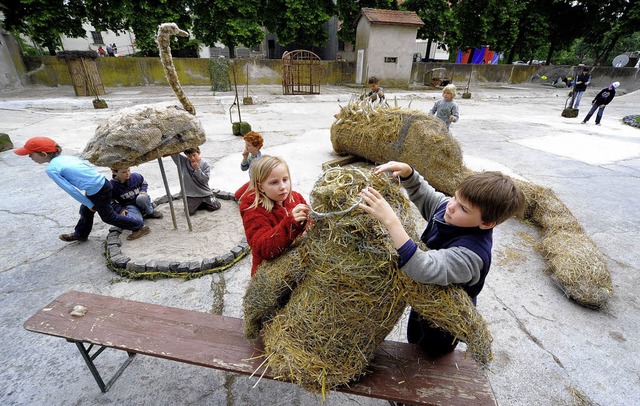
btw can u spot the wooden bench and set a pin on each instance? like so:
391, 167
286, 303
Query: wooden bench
399, 372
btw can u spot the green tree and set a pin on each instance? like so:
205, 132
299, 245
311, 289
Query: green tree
143, 18
438, 19
348, 11
232, 22
298, 21
44, 21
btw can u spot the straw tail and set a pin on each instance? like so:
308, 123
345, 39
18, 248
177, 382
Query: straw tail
163, 39
451, 309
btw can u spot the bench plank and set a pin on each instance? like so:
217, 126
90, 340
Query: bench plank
399, 371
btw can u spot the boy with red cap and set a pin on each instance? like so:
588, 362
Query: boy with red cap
74, 175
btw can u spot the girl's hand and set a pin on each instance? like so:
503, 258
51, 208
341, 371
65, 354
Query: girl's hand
300, 213
398, 169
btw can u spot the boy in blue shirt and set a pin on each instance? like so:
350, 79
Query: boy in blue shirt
459, 236
74, 175
130, 196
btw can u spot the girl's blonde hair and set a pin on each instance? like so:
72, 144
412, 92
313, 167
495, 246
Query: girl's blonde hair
451, 89
260, 171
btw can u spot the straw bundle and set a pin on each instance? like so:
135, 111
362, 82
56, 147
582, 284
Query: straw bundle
326, 305
386, 134
382, 134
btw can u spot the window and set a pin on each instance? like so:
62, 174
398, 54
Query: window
97, 37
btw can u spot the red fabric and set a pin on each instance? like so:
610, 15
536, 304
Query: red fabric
270, 233
241, 191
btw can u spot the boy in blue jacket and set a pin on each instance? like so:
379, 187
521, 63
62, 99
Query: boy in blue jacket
130, 196
74, 176
459, 237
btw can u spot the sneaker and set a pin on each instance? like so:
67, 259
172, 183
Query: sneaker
584, 122
597, 123
71, 237
139, 233
155, 215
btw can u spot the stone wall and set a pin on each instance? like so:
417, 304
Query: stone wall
50, 71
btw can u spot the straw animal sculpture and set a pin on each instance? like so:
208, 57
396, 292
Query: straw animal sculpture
138, 134
324, 307
385, 134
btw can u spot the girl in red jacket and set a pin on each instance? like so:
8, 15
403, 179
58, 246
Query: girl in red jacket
273, 215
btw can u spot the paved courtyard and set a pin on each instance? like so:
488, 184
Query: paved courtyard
548, 350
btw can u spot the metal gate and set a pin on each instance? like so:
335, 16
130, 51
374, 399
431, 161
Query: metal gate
301, 72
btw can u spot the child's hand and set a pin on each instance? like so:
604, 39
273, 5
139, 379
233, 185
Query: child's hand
300, 213
397, 169
245, 153
124, 212
194, 164
452, 118
376, 205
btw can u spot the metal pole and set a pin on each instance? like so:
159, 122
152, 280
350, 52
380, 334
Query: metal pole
184, 196
166, 188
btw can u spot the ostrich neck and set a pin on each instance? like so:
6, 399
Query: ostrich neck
170, 71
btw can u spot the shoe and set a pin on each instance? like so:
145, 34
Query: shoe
71, 237
139, 233
584, 122
597, 123
155, 215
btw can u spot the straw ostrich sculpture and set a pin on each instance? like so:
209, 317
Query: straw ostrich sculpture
324, 307
139, 134
395, 134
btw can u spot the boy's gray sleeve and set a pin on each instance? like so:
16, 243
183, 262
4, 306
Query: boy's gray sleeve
444, 267
203, 172
423, 195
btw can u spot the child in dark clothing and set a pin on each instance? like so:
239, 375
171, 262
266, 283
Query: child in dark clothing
600, 102
458, 235
130, 196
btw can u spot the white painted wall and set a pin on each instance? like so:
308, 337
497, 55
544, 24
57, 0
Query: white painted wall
388, 41
124, 42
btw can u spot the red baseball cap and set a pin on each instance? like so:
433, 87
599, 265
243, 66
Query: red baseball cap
37, 144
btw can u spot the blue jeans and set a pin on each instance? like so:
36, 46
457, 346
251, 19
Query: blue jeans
593, 110
143, 201
577, 96
102, 205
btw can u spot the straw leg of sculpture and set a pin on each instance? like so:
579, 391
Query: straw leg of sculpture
184, 198
166, 188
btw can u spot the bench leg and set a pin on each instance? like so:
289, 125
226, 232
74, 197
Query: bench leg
88, 358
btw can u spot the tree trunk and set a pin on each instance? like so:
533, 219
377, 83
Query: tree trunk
552, 50
607, 49
428, 51
232, 51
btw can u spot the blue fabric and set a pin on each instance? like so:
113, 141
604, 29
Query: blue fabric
101, 202
406, 252
593, 110
126, 193
440, 235
74, 175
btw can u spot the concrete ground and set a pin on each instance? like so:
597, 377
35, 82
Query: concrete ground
548, 350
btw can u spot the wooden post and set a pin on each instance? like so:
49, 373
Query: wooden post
184, 195
166, 188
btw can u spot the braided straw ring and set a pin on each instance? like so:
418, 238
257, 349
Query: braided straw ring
344, 181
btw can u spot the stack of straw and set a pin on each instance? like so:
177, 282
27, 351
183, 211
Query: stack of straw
326, 305
421, 140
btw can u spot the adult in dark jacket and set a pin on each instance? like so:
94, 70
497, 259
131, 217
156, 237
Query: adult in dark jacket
582, 81
600, 102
